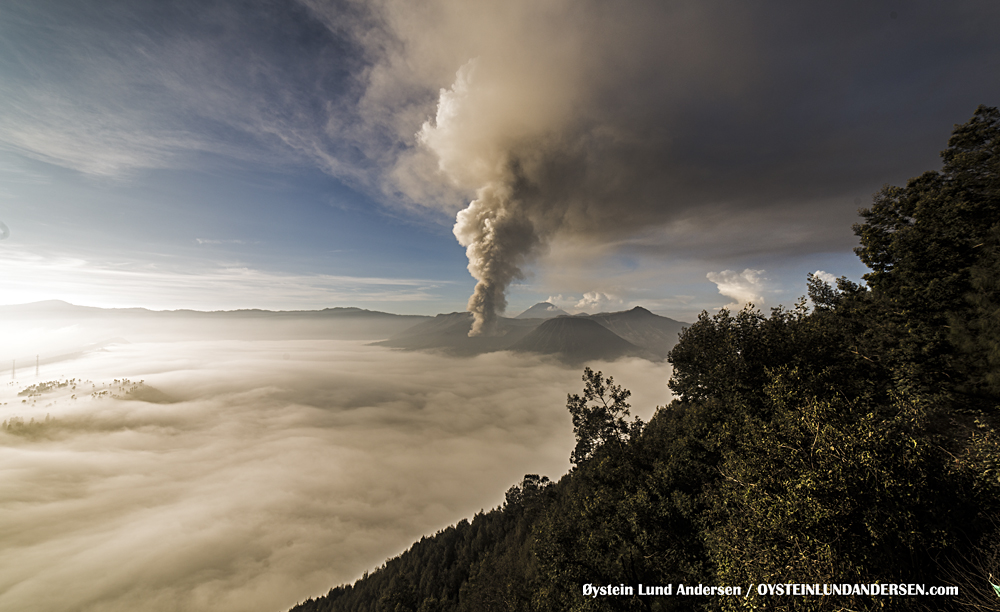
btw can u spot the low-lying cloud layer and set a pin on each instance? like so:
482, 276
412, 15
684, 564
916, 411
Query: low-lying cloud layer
284, 468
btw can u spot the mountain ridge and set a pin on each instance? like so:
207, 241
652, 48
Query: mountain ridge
636, 332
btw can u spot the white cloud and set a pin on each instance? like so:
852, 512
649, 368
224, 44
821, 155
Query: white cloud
826, 277
746, 287
595, 301
591, 302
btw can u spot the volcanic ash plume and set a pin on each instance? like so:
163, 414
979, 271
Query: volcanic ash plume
498, 237
475, 138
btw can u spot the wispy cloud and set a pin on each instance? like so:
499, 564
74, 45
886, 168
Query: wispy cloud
107, 283
118, 94
214, 241
671, 131
347, 88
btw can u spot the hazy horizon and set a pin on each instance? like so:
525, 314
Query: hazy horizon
54, 302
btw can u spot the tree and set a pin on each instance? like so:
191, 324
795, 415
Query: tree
599, 416
922, 243
829, 488
822, 295
977, 334
719, 356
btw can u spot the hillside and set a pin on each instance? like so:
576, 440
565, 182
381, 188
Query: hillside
853, 442
450, 333
642, 328
576, 340
333, 323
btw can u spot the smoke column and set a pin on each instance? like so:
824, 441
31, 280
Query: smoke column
495, 134
498, 238
476, 145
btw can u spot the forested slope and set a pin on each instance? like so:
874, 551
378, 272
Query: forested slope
851, 441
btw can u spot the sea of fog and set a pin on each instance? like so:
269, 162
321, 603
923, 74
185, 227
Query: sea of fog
265, 471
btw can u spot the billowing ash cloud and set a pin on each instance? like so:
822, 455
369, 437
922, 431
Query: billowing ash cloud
479, 138
643, 125
498, 239
507, 130
497, 228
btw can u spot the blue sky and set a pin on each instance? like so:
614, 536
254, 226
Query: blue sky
300, 155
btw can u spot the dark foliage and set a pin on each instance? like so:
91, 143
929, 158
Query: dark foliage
482, 565
599, 417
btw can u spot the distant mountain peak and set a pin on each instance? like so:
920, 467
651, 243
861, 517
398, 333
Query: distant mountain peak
542, 310
576, 340
638, 311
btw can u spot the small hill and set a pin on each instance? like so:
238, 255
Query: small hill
146, 393
576, 340
59, 308
542, 310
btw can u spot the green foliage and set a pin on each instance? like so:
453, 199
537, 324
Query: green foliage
632, 518
831, 489
720, 357
977, 334
485, 564
821, 294
923, 243
599, 416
